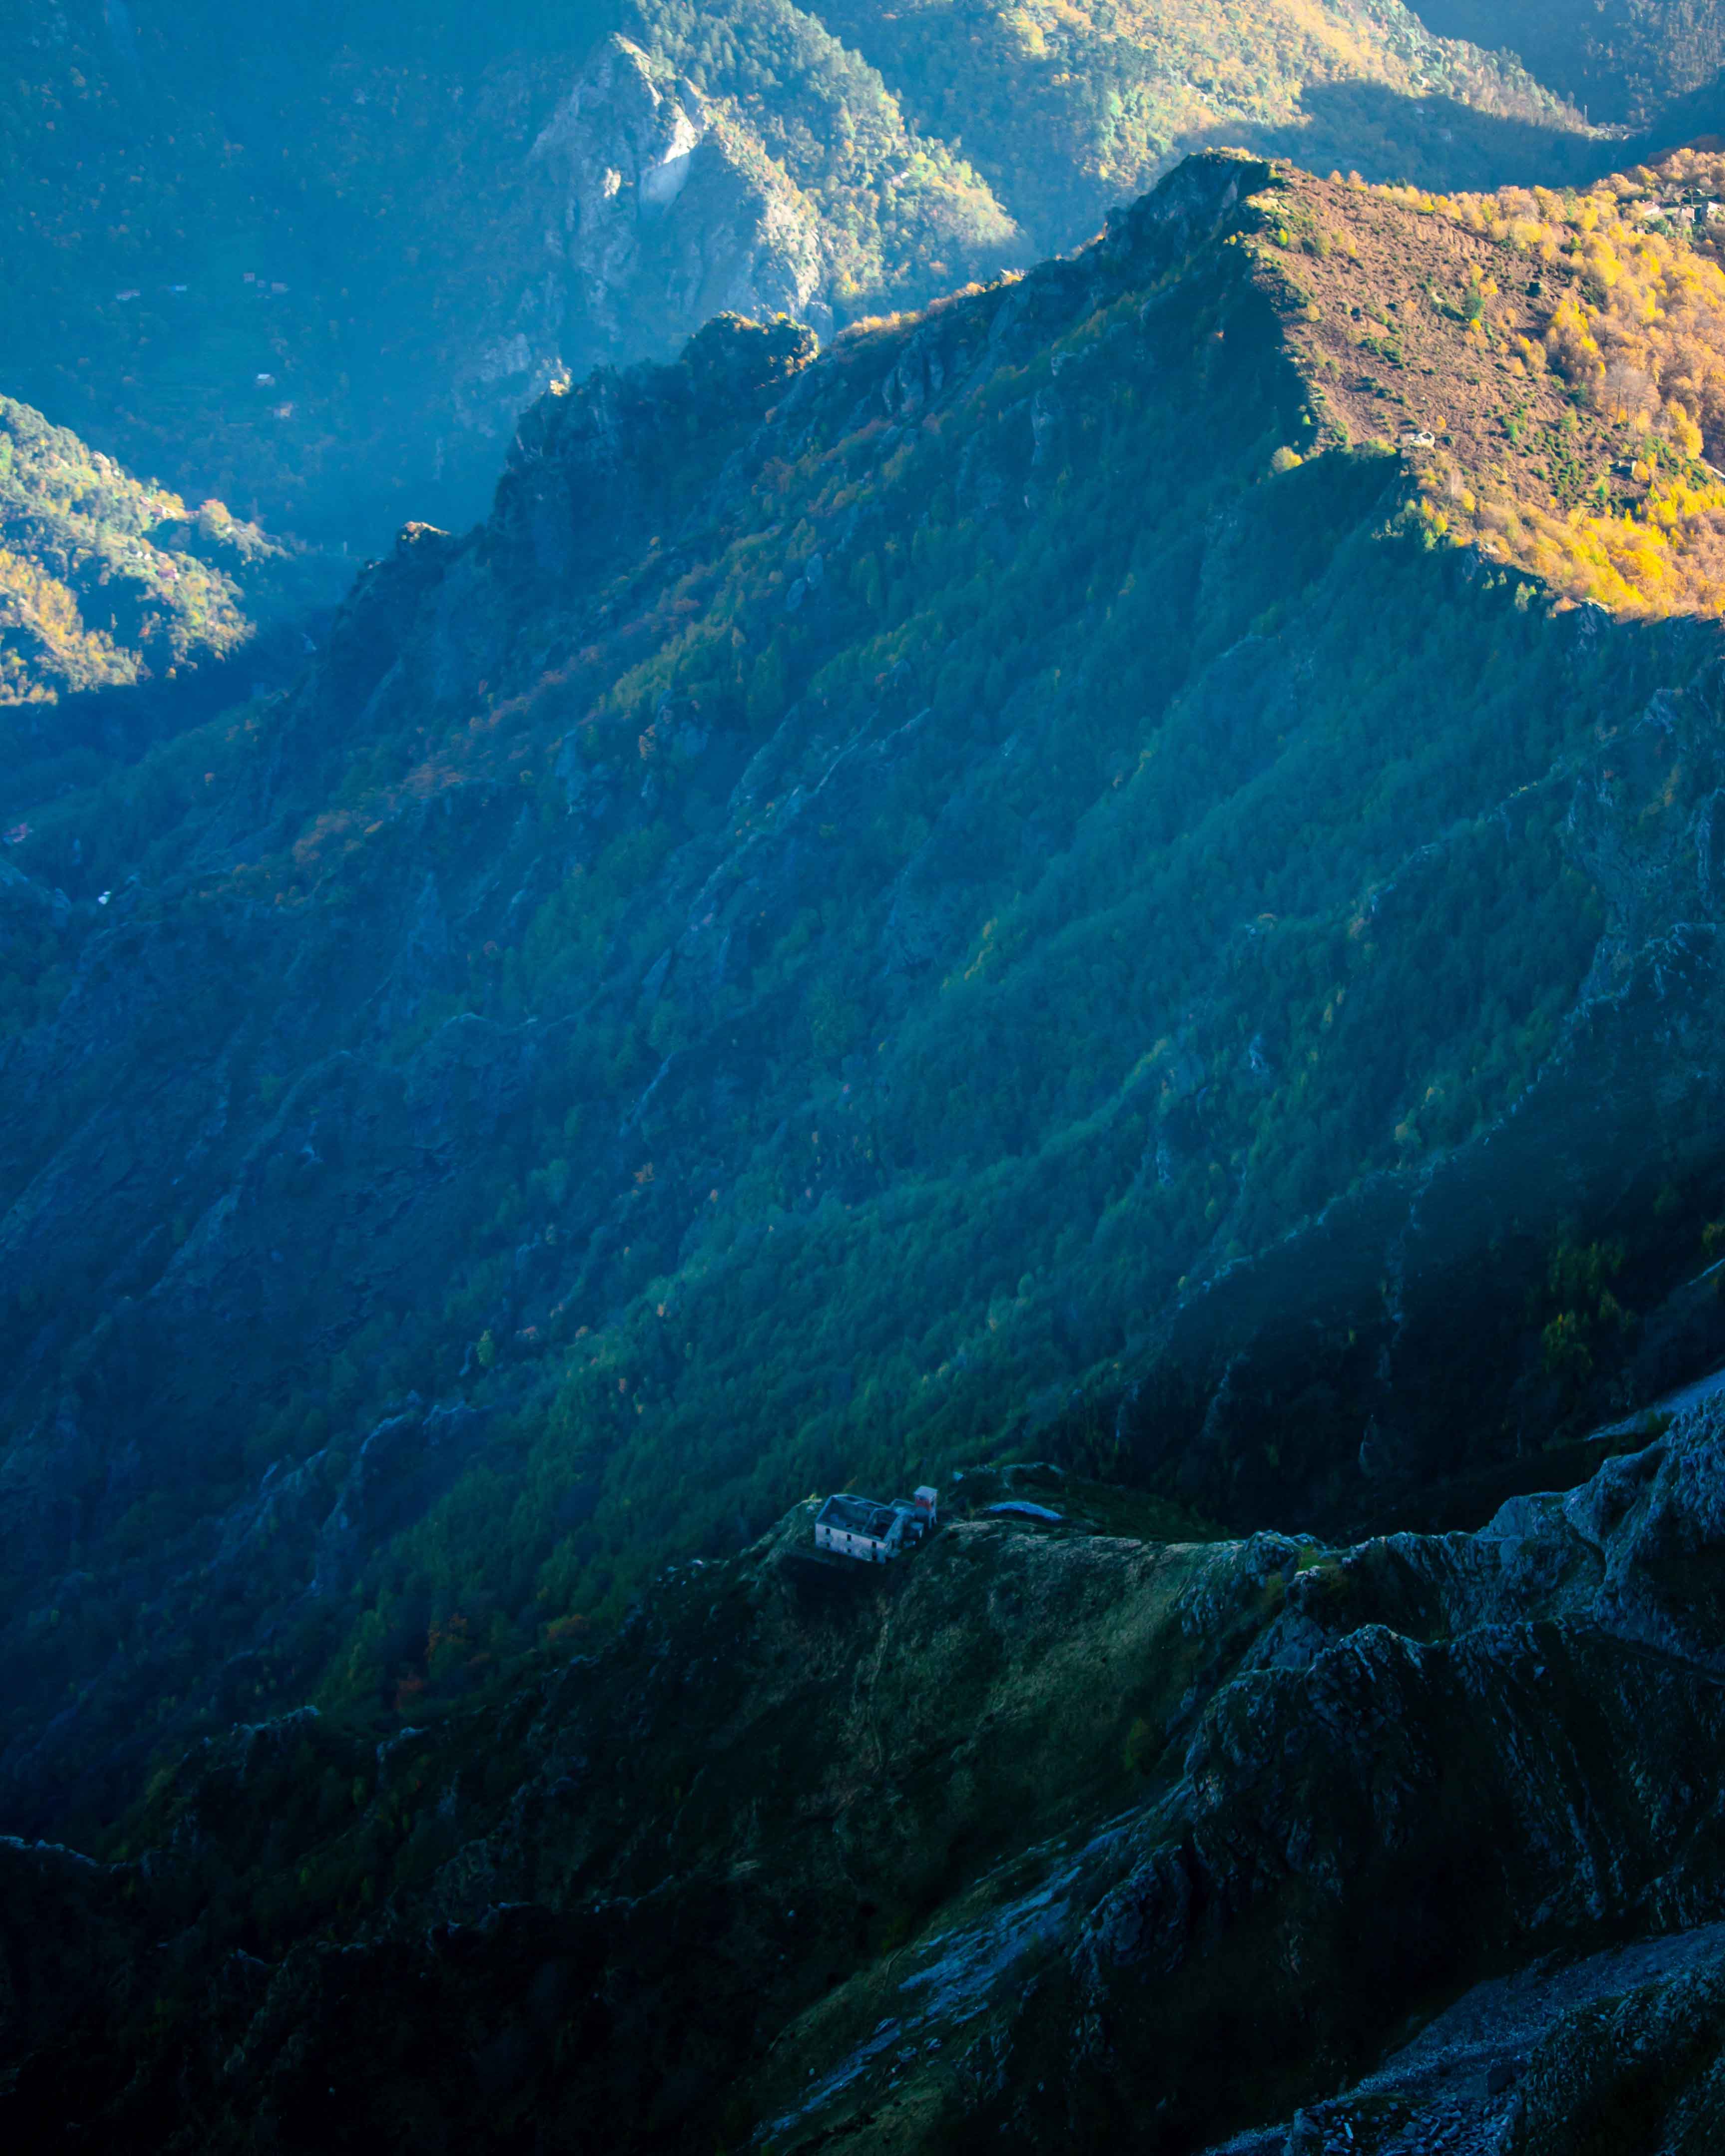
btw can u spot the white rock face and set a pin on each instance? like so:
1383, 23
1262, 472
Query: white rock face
647, 210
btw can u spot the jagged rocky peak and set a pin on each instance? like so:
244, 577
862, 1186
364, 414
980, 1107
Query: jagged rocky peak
1187, 206
594, 470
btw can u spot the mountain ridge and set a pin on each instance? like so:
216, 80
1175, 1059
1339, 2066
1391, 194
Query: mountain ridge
378, 216
1115, 878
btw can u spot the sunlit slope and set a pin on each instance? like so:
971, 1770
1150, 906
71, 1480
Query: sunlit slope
1067, 108
1553, 366
105, 579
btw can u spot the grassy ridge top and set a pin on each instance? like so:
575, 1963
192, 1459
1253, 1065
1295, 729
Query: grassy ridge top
1552, 364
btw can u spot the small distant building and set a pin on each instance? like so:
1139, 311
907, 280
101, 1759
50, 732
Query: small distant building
1417, 438
871, 1532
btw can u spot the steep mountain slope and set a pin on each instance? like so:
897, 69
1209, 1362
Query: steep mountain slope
1062, 1833
1010, 884
318, 273
1564, 430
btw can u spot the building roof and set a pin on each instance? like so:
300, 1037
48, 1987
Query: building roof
857, 1516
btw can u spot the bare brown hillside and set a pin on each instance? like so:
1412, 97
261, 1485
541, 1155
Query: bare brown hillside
1552, 364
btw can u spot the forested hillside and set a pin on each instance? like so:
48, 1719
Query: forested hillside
1624, 60
317, 274
105, 580
1018, 883
98, 576
1068, 108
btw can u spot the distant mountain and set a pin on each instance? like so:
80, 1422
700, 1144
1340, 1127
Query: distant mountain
1624, 60
1075, 871
322, 273
319, 274
1066, 109
105, 579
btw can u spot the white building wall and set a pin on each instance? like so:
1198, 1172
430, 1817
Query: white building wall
863, 1546
868, 1549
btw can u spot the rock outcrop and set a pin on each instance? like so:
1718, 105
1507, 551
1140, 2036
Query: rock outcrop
1057, 1831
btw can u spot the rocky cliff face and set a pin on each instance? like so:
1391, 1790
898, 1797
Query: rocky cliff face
645, 211
1057, 1831
645, 207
